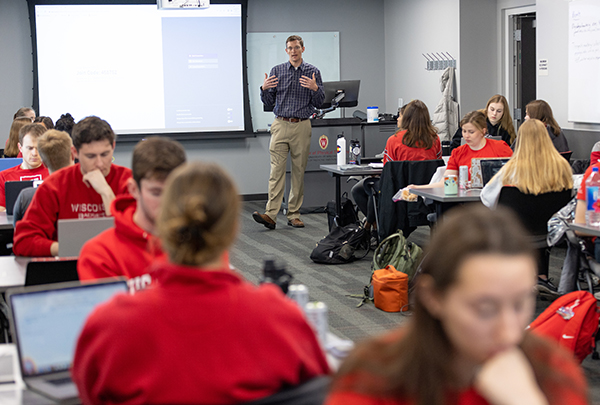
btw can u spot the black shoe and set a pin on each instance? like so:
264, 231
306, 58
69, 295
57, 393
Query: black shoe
263, 219
546, 286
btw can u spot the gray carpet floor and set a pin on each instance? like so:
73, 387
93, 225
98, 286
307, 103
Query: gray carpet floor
333, 284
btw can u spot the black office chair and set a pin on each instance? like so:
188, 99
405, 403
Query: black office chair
312, 392
534, 211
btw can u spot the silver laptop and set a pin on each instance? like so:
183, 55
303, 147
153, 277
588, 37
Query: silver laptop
73, 233
45, 324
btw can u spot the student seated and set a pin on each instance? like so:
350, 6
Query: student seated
32, 167
416, 139
477, 145
130, 247
200, 334
55, 150
541, 110
84, 190
11, 148
466, 342
498, 120
26, 112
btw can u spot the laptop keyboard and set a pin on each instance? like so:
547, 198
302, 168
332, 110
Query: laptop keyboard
60, 381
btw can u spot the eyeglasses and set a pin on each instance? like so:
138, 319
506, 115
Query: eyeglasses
295, 48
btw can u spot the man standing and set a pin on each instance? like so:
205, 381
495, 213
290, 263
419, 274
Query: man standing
84, 190
295, 89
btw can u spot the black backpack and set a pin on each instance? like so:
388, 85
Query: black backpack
339, 246
348, 214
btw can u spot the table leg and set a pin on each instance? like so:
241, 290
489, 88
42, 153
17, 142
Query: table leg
338, 195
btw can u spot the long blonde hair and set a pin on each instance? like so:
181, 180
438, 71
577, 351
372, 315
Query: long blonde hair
536, 167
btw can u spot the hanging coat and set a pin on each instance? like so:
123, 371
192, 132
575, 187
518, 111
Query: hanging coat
445, 116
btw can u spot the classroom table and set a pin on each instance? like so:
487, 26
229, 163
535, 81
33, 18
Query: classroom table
440, 198
588, 230
337, 172
6, 221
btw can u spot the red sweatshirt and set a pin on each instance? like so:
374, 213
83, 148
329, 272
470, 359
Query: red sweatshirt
63, 195
18, 174
195, 337
125, 250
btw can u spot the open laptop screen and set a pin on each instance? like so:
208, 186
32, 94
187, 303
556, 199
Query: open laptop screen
47, 323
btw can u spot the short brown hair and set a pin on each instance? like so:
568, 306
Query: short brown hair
33, 130
92, 129
156, 157
54, 148
293, 38
199, 214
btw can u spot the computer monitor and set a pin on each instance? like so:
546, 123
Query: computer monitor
350, 87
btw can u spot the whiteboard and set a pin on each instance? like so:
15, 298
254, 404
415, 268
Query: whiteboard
584, 61
266, 50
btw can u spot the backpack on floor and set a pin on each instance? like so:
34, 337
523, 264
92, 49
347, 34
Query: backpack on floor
347, 215
571, 320
339, 246
394, 251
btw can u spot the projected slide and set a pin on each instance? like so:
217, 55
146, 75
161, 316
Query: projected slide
143, 70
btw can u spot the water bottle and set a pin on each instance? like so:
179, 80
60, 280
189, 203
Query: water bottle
341, 150
354, 152
592, 214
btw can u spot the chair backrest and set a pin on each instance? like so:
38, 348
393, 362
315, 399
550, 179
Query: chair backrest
567, 155
403, 215
534, 210
311, 392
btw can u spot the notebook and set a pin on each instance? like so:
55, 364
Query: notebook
45, 324
12, 190
73, 233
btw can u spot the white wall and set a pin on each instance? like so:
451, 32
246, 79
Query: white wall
16, 80
413, 27
478, 66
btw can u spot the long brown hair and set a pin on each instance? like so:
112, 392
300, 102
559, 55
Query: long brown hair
12, 147
417, 123
506, 121
536, 167
417, 365
539, 109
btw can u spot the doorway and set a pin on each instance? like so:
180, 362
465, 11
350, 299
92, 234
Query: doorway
524, 64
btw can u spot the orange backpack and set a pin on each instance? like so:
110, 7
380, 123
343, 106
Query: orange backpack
390, 289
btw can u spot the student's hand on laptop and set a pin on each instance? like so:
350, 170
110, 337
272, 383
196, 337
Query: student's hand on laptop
97, 181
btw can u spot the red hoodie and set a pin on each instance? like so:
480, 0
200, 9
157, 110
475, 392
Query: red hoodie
195, 337
63, 195
125, 250
18, 174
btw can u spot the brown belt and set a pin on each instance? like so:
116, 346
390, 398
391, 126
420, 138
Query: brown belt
291, 119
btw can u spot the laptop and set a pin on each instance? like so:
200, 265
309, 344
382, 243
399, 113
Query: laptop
45, 324
12, 190
489, 168
73, 233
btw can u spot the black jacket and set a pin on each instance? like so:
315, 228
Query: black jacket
403, 215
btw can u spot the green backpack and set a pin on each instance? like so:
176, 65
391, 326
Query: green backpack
394, 250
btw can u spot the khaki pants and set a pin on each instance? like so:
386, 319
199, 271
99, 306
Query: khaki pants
292, 138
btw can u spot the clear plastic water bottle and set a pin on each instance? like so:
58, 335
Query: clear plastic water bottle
592, 214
